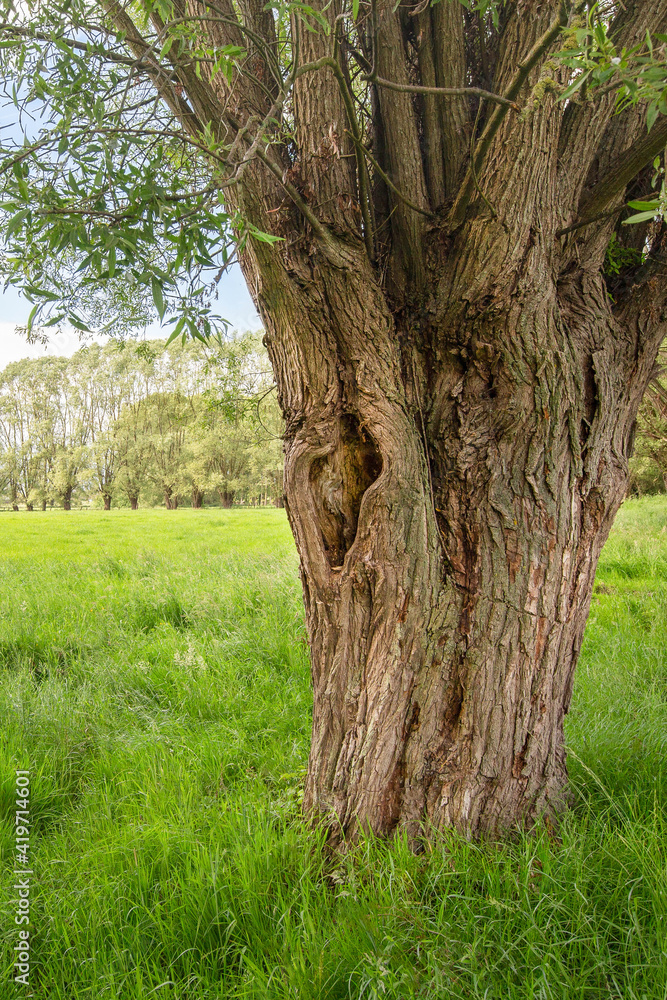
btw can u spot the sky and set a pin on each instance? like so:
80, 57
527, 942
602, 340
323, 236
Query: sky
233, 303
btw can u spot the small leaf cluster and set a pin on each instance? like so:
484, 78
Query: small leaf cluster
618, 257
637, 73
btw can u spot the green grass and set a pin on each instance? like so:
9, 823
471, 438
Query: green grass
154, 678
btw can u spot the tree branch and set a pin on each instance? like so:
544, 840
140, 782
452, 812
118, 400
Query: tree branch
524, 68
143, 51
385, 177
353, 132
408, 88
626, 166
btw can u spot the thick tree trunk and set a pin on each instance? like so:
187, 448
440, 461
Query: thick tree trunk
107, 501
197, 501
29, 506
448, 550
226, 498
444, 656
134, 503
67, 500
43, 504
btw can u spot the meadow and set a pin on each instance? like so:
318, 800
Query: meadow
154, 680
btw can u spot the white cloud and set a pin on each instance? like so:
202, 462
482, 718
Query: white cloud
13, 346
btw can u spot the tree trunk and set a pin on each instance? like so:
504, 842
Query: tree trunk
43, 504
67, 500
449, 507
29, 506
107, 501
15, 506
197, 501
226, 498
134, 503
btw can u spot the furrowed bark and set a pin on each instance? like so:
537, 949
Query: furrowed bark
326, 162
403, 155
449, 58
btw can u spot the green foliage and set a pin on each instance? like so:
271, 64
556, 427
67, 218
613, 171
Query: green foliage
485, 8
119, 422
638, 73
167, 762
100, 187
619, 257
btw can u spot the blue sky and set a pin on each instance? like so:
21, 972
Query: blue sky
234, 303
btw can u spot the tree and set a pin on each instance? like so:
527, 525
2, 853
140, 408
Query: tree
133, 449
28, 394
107, 374
422, 197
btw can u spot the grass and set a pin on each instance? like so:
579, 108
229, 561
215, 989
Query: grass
154, 678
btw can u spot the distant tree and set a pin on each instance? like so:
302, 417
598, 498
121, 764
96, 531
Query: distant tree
166, 417
133, 451
29, 407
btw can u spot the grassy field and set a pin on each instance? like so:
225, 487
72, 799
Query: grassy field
154, 679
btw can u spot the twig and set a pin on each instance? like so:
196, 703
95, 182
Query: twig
409, 88
390, 184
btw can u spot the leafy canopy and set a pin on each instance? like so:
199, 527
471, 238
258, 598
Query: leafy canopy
108, 186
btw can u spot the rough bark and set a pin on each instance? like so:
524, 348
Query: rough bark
448, 547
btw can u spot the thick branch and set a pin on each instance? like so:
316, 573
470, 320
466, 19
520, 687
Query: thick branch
355, 135
325, 155
623, 169
536, 54
449, 55
402, 145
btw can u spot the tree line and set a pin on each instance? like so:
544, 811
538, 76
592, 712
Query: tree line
129, 423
